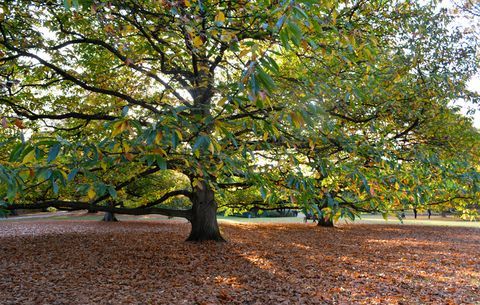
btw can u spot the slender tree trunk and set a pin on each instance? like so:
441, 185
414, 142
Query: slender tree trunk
90, 211
204, 215
109, 216
323, 222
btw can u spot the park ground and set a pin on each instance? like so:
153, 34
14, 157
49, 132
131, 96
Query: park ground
144, 260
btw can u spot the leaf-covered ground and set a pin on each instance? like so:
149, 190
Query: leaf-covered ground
89, 262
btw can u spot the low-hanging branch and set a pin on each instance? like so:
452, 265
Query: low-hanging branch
93, 206
68, 115
78, 205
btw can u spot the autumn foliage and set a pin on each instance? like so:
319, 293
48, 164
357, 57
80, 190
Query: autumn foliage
83, 262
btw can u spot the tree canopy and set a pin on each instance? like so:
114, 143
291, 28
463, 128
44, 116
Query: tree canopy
181, 107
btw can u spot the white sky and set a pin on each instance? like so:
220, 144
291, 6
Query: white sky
474, 83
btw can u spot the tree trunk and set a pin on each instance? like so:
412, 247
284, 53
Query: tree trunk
109, 216
324, 222
90, 211
204, 215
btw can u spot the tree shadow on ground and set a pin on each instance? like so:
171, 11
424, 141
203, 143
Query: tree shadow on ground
149, 262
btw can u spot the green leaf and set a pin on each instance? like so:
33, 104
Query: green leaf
266, 80
280, 21
125, 111
296, 33
284, 39
55, 187
16, 152
263, 192
161, 162
201, 143
112, 192
53, 152
72, 174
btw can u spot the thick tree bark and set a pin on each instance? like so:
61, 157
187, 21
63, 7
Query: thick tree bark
325, 222
204, 215
109, 216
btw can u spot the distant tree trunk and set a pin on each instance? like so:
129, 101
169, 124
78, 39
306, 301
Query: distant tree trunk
415, 213
204, 215
109, 216
324, 222
13, 213
89, 211
429, 213
444, 214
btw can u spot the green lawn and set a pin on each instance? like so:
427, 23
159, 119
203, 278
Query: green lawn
366, 219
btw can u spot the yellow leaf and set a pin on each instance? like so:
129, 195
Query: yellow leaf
218, 147
159, 151
244, 52
197, 42
91, 193
197, 183
187, 3
220, 17
297, 119
108, 28
222, 101
398, 78
29, 157
118, 128
179, 134
129, 28
64, 174
158, 137
117, 147
211, 148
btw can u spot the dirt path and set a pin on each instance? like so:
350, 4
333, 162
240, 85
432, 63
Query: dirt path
89, 262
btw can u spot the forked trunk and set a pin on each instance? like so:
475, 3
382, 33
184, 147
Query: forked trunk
325, 222
109, 216
204, 215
